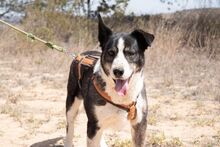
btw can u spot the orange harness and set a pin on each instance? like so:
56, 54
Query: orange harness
88, 60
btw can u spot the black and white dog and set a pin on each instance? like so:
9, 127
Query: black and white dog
119, 72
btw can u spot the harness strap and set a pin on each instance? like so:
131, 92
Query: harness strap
79, 66
87, 60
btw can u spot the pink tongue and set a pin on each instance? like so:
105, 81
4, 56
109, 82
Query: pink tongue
121, 87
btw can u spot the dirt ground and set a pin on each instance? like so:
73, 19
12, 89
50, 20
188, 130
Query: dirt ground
32, 106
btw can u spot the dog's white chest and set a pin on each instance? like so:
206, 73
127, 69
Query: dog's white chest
109, 116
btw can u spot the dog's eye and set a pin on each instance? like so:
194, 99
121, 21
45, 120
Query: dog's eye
111, 53
130, 53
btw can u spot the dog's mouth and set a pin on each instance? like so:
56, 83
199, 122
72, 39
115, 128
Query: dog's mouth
122, 86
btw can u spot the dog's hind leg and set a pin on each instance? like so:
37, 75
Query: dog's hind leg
70, 116
73, 102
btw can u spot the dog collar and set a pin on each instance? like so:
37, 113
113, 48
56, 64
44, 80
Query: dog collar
130, 108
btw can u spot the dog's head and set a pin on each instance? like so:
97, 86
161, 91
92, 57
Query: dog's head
122, 54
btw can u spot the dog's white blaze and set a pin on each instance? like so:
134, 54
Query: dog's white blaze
121, 44
120, 61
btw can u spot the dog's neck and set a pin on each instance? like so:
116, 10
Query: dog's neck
135, 85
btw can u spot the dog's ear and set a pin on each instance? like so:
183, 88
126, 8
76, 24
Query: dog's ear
144, 39
104, 32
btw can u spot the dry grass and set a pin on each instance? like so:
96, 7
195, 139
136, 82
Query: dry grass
153, 114
205, 122
12, 110
12, 107
159, 139
61, 124
121, 143
174, 142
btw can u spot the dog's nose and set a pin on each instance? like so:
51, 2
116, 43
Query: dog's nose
118, 72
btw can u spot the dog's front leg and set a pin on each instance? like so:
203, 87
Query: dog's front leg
139, 124
94, 136
138, 133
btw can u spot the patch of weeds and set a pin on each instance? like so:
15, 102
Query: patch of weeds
35, 123
205, 141
157, 139
217, 137
205, 122
174, 142
13, 99
152, 120
196, 142
61, 124
12, 110
210, 145
122, 143
32, 124
77, 136
154, 108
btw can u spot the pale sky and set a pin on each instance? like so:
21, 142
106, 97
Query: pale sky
155, 6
